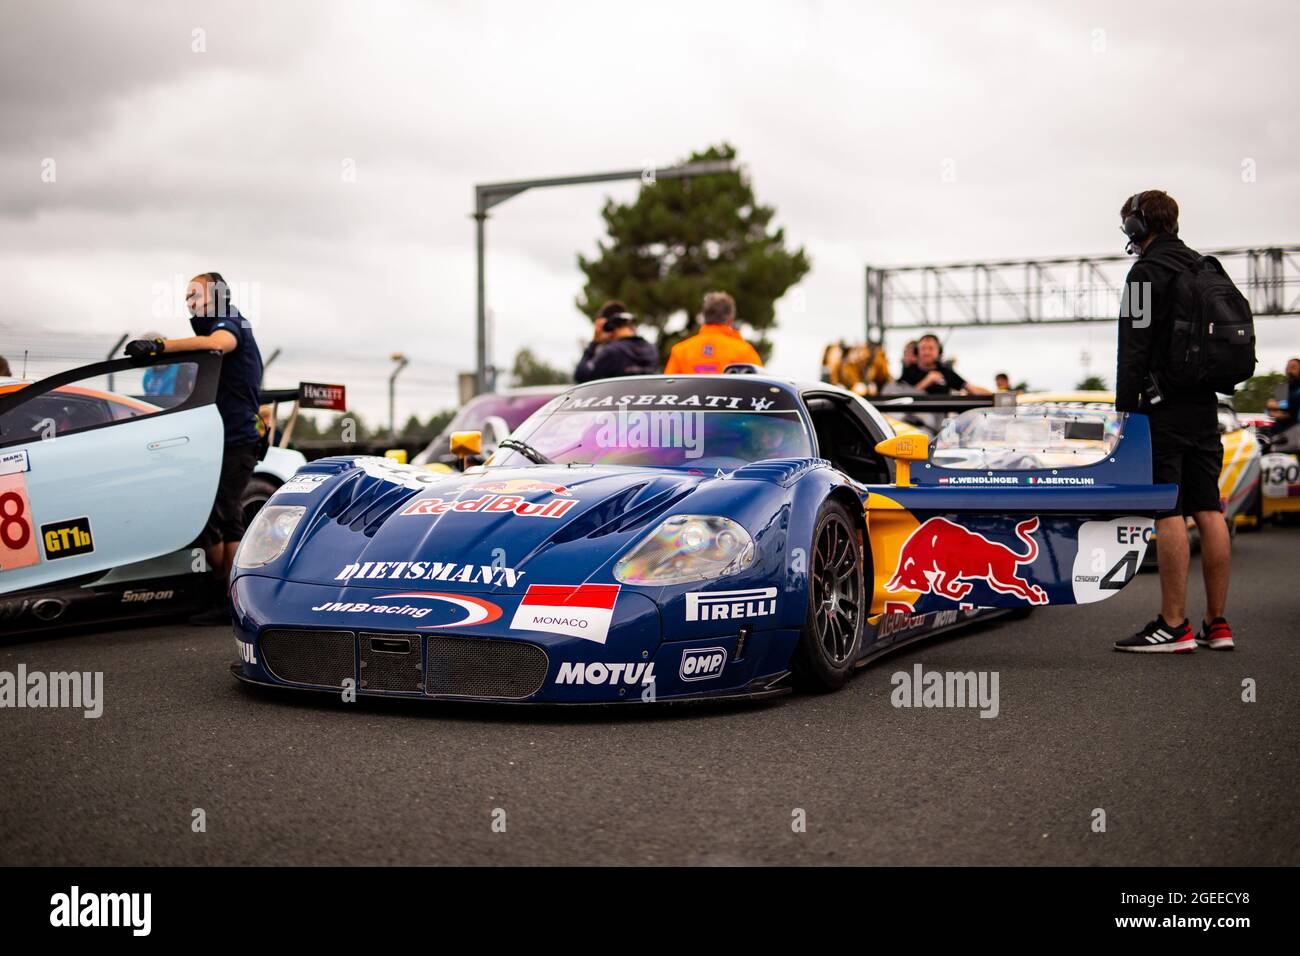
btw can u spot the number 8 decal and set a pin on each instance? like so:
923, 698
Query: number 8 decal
17, 542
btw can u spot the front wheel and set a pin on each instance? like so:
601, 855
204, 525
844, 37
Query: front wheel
256, 493
837, 603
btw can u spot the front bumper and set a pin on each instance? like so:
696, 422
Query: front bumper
284, 640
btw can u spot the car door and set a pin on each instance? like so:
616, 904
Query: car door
104, 465
1015, 507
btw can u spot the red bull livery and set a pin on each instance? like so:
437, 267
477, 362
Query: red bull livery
681, 538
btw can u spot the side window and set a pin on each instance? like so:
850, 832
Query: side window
47, 412
844, 441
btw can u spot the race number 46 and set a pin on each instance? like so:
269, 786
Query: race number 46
18, 548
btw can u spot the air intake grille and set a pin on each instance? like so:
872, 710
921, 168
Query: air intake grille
390, 662
477, 667
319, 658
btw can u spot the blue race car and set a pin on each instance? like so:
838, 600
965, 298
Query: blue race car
674, 538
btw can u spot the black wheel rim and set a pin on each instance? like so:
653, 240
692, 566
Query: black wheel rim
837, 591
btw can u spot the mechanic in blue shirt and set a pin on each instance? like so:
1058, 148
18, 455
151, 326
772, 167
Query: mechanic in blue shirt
218, 326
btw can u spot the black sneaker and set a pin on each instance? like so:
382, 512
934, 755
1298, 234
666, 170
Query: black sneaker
1217, 635
1159, 637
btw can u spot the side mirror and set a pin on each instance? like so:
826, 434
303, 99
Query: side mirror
905, 449
465, 444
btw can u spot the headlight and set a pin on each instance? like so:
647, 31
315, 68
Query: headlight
268, 535
687, 548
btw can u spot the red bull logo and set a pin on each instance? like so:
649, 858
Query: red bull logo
941, 557
522, 486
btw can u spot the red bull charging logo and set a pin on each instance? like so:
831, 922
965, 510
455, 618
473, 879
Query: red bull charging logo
522, 486
941, 557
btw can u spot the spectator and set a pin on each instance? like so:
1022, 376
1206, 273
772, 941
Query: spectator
1285, 409
615, 349
909, 357
717, 345
218, 325
1185, 446
933, 376
4, 368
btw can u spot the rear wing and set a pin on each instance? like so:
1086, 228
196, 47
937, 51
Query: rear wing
917, 404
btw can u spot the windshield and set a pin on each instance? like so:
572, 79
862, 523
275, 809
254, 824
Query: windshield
665, 423
1027, 437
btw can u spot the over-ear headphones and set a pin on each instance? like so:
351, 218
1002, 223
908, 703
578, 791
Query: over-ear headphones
223, 293
1135, 224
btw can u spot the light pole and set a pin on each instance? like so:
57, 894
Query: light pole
402, 361
487, 195
268, 363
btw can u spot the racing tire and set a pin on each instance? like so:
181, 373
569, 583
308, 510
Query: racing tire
256, 493
837, 602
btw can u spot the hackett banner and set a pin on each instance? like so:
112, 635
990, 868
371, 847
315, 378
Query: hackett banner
331, 398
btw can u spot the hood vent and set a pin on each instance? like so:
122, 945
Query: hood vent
779, 471
363, 502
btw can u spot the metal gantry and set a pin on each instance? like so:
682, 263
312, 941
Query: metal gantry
1050, 291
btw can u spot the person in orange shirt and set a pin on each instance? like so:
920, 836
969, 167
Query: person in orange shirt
717, 345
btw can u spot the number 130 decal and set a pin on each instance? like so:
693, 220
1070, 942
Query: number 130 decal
18, 547
1110, 553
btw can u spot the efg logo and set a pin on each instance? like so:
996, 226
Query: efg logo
702, 663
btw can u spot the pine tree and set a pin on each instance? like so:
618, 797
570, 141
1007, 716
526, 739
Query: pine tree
682, 238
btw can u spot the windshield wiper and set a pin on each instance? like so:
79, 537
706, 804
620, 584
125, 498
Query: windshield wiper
527, 450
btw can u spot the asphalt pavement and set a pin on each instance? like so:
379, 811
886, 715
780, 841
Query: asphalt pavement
1185, 771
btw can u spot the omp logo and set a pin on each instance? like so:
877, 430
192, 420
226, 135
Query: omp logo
67, 539
730, 605
572, 672
702, 663
74, 908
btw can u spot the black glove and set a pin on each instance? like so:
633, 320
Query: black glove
144, 348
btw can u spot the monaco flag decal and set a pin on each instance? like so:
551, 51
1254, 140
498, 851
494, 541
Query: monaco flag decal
578, 610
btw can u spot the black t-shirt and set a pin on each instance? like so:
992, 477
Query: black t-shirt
952, 382
241, 376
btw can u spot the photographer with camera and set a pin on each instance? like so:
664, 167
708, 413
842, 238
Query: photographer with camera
1185, 334
615, 349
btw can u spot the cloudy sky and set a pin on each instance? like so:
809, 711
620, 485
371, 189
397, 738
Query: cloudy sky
323, 156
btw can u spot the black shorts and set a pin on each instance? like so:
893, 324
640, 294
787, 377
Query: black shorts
1186, 451
226, 523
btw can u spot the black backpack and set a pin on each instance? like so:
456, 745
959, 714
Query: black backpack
1212, 335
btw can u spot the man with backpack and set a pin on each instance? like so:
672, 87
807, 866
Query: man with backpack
1185, 334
